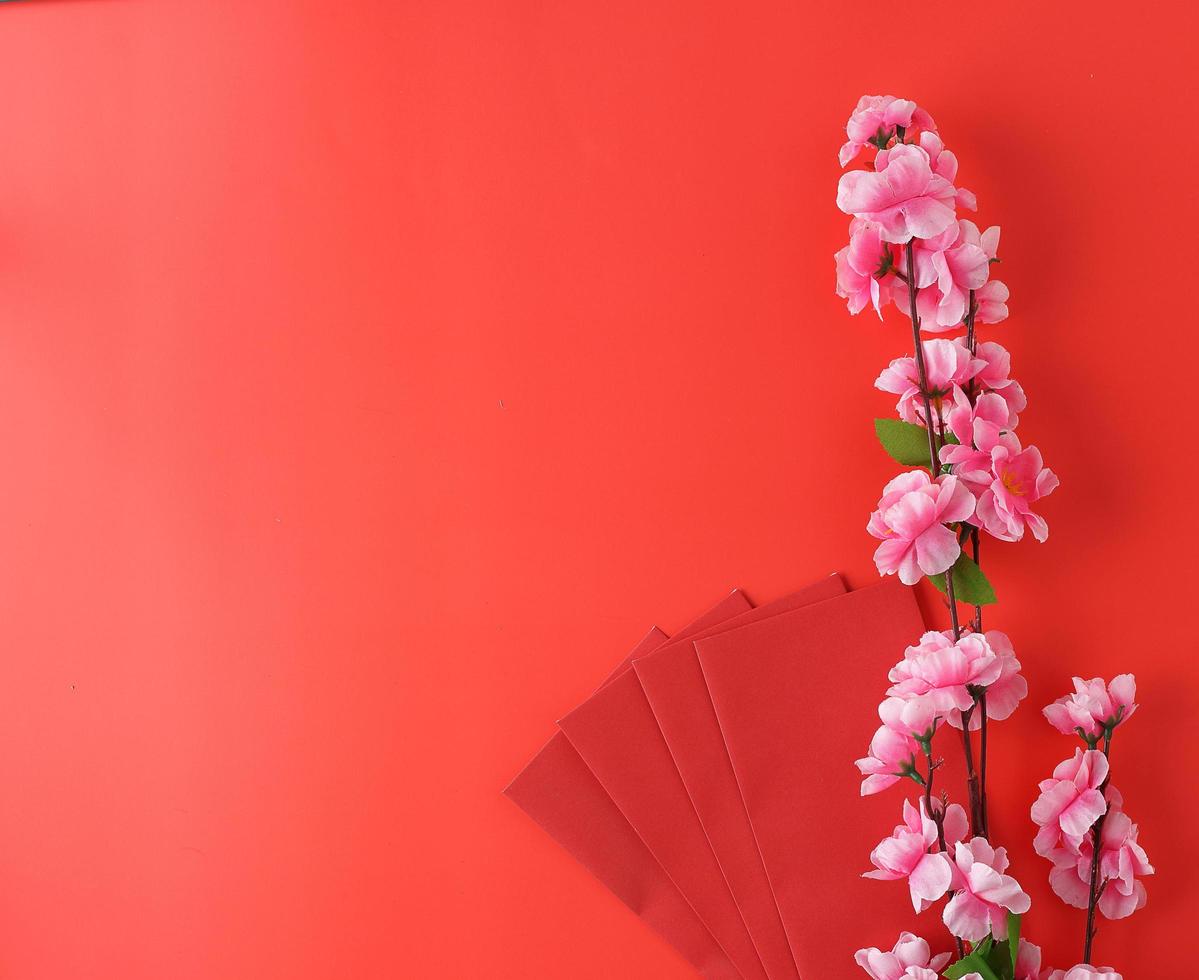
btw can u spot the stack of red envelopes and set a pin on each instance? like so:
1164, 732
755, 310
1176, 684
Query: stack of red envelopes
709, 781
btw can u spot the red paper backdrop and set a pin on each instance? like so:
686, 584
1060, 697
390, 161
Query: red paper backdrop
372, 375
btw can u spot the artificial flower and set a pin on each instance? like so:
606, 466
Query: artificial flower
943, 672
994, 375
908, 853
1020, 479
914, 717
990, 299
1070, 802
874, 121
948, 364
957, 266
862, 267
1028, 961
945, 164
1006, 692
1122, 863
987, 240
979, 428
904, 196
892, 757
1085, 971
1094, 707
910, 522
983, 894
911, 953
991, 302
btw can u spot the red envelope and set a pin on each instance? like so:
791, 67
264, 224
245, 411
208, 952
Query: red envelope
797, 698
618, 737
559, 792
674, 685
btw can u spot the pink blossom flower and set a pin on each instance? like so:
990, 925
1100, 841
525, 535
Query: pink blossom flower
983, 894
1020, 479
991, 302
1006, 692
1085, 972
911, 953
945, 164
1122, 862
979, 428
987, 240
892, 757
903, 195
994, 376
952, 266
861, 268
915, 716
1028, 961
1070, 802
1094, 707
908, 853
991, 297
943, 672
874, 120
910, 522
947, 365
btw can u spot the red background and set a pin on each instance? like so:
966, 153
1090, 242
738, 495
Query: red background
374, 374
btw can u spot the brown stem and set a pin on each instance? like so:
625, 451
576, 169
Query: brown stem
1096, 888
937, 816
934, 460
978, 610
972, 346
982, 765
953, 605
976, 820
970, 341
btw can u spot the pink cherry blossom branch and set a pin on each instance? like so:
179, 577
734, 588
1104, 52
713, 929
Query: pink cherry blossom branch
975, 542
1094, 889
972, 784
972, 346
982, 765
984, 829
934, 460
908, 199
977, 817
937, 816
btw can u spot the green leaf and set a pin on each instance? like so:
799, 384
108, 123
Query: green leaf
999, 960
1013, 937
905, 443
974, 963
970, 585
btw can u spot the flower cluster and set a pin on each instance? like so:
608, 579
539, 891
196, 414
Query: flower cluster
985, 478
942, 679
907, 246
953, 676
908, 195
910, 959
939, 679
1095, 708
1082, 827
958, 410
